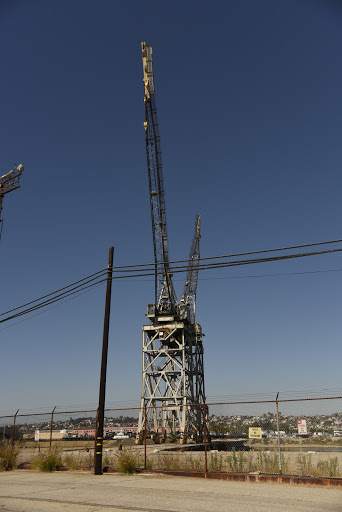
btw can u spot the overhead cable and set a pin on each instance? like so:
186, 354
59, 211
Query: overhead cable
53, 293
148, 272
62, 302
52, 300
116, 268
210, 266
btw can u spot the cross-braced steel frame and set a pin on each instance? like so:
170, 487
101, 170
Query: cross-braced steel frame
172, 379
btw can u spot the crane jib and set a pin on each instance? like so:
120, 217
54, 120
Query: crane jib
164, 292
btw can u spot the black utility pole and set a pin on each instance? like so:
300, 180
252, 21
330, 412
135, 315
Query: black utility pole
102, 394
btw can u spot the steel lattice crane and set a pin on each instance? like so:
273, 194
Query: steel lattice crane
190, 287
8, 183
172, 373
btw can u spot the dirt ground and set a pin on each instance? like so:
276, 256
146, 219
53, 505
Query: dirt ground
308, 460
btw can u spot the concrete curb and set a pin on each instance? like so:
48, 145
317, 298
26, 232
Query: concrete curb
262, 477
234, 477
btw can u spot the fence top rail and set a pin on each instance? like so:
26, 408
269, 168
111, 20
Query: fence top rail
73, 412
274, 401
285, 400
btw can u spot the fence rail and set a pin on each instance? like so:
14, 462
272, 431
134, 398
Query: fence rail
298, 436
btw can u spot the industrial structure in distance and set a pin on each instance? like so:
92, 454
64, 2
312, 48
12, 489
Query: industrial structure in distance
9, 182
173, 392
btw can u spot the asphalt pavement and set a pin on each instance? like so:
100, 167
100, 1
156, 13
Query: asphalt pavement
28, 491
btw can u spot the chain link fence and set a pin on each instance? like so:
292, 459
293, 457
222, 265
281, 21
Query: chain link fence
279, 437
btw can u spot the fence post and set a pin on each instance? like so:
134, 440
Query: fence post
53, 410
145, 413
279, 449
205, 438
13, 430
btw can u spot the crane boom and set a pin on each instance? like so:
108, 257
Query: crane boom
190, 286
165, 297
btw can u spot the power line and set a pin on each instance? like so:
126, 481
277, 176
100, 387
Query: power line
81, 287
207, 266
116, 268
251, 276
263, 260
211, 266
53, 293
51, 301
52, 307
273, 275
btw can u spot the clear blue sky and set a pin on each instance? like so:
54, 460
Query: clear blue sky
250, 113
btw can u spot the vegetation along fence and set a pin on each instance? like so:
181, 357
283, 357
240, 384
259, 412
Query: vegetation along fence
286, 437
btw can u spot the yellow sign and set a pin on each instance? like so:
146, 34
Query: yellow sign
254, 433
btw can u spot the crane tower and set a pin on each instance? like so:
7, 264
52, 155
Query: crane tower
172, 347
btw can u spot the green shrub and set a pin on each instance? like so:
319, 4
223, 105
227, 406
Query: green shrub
8, 457
168, 462
88, 461
127, 462
149, 464
172, 438
47, 462
320, 439
195, 463
71, 461
107, 459
236, 461
305, 464
215, 462
328, 467
269, 463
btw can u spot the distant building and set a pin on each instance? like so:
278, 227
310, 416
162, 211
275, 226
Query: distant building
44, 435
90, 432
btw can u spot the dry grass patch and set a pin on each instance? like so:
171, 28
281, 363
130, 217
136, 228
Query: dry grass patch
128, 462
8, 457
47, 462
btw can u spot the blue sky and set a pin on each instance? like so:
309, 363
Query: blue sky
249, 105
